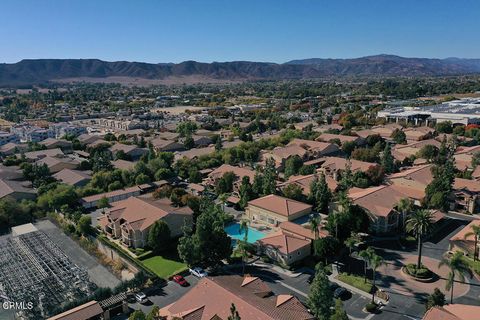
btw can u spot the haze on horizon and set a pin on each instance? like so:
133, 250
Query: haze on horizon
211, 30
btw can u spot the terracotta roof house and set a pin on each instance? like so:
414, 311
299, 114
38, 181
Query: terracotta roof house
332, 166
212, 298
462, 243
16, 190
123, 164
420, 174
401, 152
89, 138
13, 148
301, 231
316, 148
463, 161
239, 172
453, 311
284, 248
273, 210
56, 164
328, 137
52, 143
418, 133
90, 202
160, 144
11, 173
87, 311
194, 153
305, 182
303, 125
36, 155
168, 135
466, 195
73, 177
385, 131
379, 203
130, 150
131, 219
282, 154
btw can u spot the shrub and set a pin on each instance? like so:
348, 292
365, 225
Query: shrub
422, 273
371, 307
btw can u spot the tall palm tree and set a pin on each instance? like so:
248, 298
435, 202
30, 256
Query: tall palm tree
419, 223
314, 223
223, 197
458, 268
366, 255
405, 205
244, 228
375, 262
476, 233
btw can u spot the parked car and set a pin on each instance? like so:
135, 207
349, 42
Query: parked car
141, 297
198, 272
340, 293
180, 280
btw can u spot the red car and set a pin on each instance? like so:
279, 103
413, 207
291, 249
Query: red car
180, 280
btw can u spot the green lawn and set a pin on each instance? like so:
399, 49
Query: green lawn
355, 281
474, 265
164, 267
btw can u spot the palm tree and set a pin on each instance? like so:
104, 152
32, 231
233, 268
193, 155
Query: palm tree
419, 223
350, 242
244, 228
223, 197
366, 255
458, 268
375, 262
405, 205
476, 233
314, 222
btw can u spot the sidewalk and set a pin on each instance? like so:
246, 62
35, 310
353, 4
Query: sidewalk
333, 278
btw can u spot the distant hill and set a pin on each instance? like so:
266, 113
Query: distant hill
42, 70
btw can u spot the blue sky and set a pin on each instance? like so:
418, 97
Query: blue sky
255, 30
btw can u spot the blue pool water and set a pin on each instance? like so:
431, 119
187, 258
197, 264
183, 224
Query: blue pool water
233, 230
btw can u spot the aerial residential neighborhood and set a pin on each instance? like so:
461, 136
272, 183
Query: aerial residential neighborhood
187, 160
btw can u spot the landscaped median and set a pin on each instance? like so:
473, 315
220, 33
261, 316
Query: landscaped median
355, 281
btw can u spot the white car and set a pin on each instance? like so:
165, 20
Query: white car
141, 297
198, 272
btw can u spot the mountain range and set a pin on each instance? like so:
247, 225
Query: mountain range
35, 71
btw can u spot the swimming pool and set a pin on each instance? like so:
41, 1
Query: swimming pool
233, 230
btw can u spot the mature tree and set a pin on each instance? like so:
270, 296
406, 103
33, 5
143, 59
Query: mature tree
387, 161
399, 136
375, 262
103, 203
348, 147
225, 183
159, 236
13, 213
366, 255
352, 241
444, 127
346, 181
419, 223
186, 128
429, 152
246, 192
58, 196
292, 166
293, 191
339, 313
437, 298
234, 315
326, 247
375, 174
137, 315
153, 314
39, 175
142, 178
84, 225
257, 185
475, 159
459, 268
209, 244
314, 223
188, 142
218, 144
439, 189
269, 177
476, 234
404, 205
101, 161
243, 244
320, 298
320, 194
